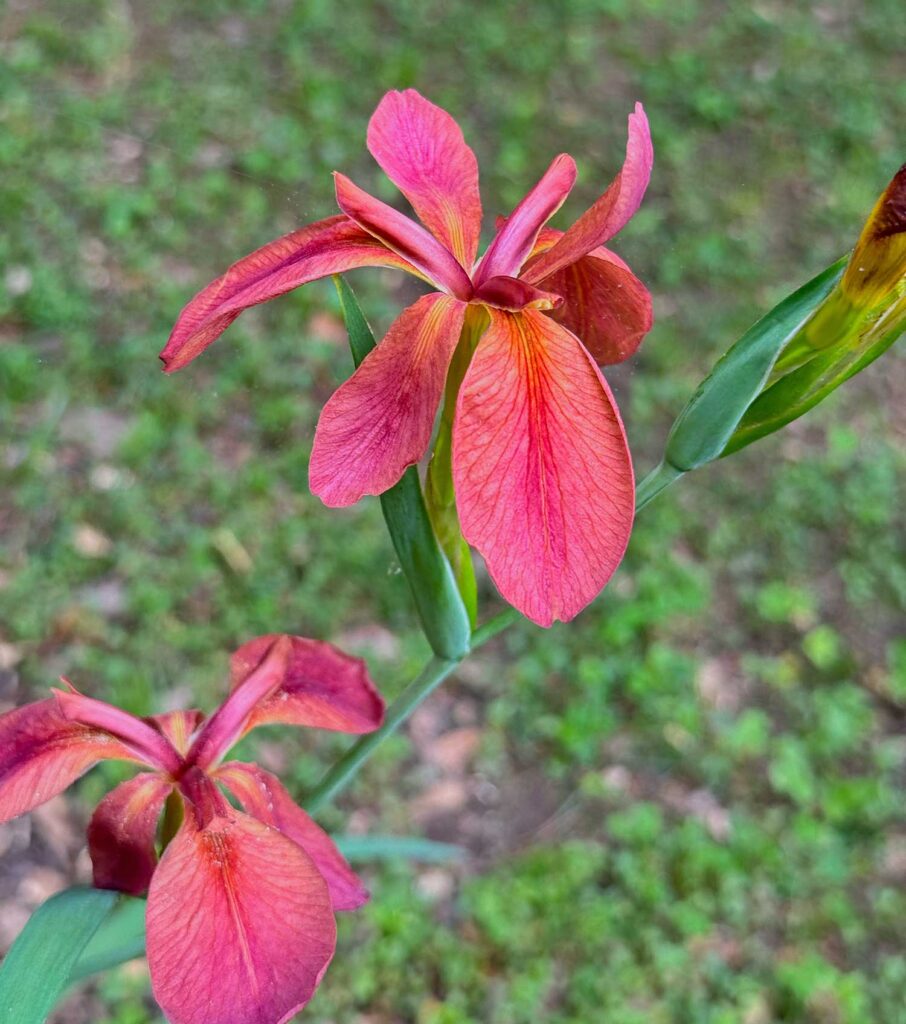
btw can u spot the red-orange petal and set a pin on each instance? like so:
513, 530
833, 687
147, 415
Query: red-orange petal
421, 148
323, 688
541, 469
232, 719
380, 421
517, 234
122, 833
611, 212
604, 304
329, 246
239, 925
42, 753
410, 240
264, 797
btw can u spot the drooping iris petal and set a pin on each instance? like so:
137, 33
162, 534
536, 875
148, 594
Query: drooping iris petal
42, 753
329, 246
515, 239
231, 719
410, 240
380, 421
323, 687
422, 150
178, 727
239, 924
123, 831
605, 305
263, 796
543, 476
610, 213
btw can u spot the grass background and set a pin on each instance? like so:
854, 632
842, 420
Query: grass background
686, 806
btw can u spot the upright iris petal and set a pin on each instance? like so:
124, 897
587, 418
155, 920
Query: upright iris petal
422, 151
322, 688
517, 235
543, 479
612, 211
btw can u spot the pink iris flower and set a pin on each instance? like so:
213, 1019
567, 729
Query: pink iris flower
240, 915
541, 470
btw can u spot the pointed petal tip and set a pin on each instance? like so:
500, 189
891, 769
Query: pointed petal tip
519, 231
168, 364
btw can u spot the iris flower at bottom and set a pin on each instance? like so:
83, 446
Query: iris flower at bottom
240, 915
541, 470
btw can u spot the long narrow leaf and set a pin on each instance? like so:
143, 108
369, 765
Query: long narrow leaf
440, 607
365, 848
38, 967
120, 937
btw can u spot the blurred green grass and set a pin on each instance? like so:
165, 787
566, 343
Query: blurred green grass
687, 805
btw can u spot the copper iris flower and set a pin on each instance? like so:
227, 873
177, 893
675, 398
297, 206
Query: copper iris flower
240, 916
541, 470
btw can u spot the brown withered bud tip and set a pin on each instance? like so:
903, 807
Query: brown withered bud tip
891, 216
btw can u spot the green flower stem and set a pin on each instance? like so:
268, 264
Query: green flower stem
492, 627
424, 684
436, 671
659, 479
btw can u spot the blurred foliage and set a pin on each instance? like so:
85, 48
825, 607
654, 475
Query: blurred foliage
722, 730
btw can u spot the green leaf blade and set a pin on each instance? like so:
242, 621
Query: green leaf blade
120, 937
371, 848
39, 965
703, 429
443, 614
